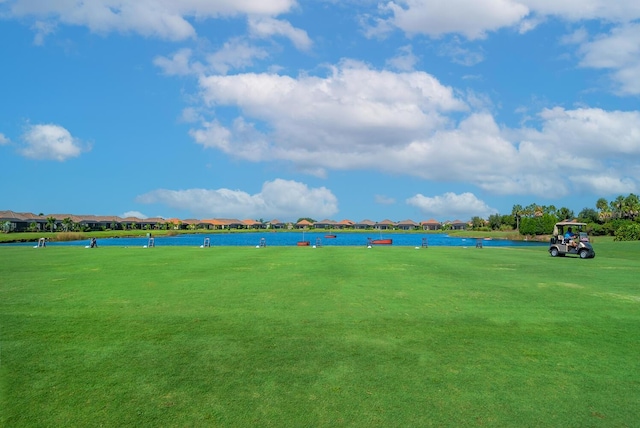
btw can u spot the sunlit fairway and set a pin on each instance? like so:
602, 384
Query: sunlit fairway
303, 337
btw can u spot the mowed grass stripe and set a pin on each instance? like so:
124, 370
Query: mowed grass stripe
287, 336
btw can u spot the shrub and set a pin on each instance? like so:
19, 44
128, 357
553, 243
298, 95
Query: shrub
542, 225
628, 232
596, 229
611, 227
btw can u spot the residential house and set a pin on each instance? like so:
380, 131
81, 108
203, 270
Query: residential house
276, 224
407, 225
222, 223
304, 224
324, 224
364, 224
431, 224
459, 225
130, 223
344, 224
19, 222
151, 223
190, 223
384, 225
252, 224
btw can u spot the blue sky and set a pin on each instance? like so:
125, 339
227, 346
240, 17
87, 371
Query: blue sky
350, 109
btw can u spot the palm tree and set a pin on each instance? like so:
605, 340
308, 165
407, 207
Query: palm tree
565, 213
617, 206
530, 210
538, 211
477, 222
551, 210
604, 211
516, 212
67, 223
632, 206
51, 222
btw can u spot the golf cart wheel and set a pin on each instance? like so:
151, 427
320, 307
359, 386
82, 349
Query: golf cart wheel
584, 254
554, 252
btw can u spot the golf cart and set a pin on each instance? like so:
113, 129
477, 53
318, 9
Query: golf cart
579, 245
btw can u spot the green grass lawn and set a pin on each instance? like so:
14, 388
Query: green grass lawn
303, 337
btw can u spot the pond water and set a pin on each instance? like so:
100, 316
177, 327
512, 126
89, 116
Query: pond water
291, 239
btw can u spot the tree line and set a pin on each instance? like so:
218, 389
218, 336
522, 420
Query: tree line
619, 217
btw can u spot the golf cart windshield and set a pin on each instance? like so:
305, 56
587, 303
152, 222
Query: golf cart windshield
560, 228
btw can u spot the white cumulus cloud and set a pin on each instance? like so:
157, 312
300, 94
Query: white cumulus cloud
605, 183
355, 112
618, 51
178, 64
235, 54
587, 135
167, 19
278, 198
405, 60
3, 139
471, 18
403, 123
577, 10
449, 205
264, 27
136, 214
475, 18
50, 142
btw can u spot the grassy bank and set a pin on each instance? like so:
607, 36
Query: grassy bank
67, 236
287, 336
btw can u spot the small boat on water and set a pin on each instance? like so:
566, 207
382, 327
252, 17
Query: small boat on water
330, 236
381, 241
303, 243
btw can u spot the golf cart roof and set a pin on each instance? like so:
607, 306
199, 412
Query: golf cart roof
570, 223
